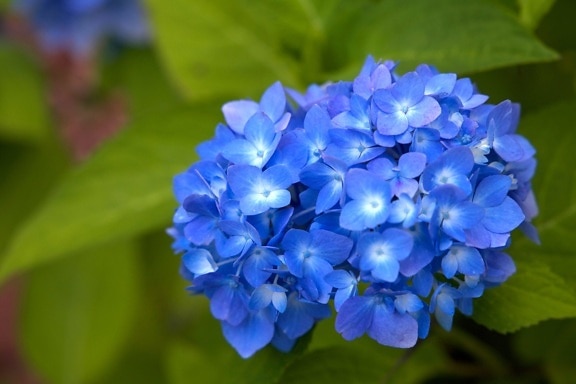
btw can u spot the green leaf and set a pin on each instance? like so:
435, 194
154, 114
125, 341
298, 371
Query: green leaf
23, 108
365, 361
139, 77
370, 361
77, 314
215, 48
532, 295
460, 36
544, 286
26, 169
532, 11
555, 187
123, 190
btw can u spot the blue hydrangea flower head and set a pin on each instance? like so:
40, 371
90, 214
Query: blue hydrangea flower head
391, 196
77, 26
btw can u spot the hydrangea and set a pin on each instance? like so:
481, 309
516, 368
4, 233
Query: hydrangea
78, 25
394, 196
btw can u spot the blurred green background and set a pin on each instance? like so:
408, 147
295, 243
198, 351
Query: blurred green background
89, 287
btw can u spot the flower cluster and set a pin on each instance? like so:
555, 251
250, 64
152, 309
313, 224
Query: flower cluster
394, 196
78, 25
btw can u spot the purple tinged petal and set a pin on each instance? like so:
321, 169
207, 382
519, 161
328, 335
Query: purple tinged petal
513, 147
392, 124
385, 102
237, 113
381, 77
362, 86
408, 90
478, 236
499, 266
402, 185
423, 113
355, 317
412, 164
393, 329
273, 101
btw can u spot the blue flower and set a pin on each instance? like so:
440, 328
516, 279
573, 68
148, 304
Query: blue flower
328, 178
259, 191
393, 195
311, 256
370, 204
258, 145
377, 316
380, 253
404, 105
272, 104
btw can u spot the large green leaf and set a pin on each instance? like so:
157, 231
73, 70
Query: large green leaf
221, 47
544, 286
77, 314
531, 11
23, 108
123, 190
460, 36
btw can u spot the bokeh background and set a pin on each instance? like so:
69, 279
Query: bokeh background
103, 101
